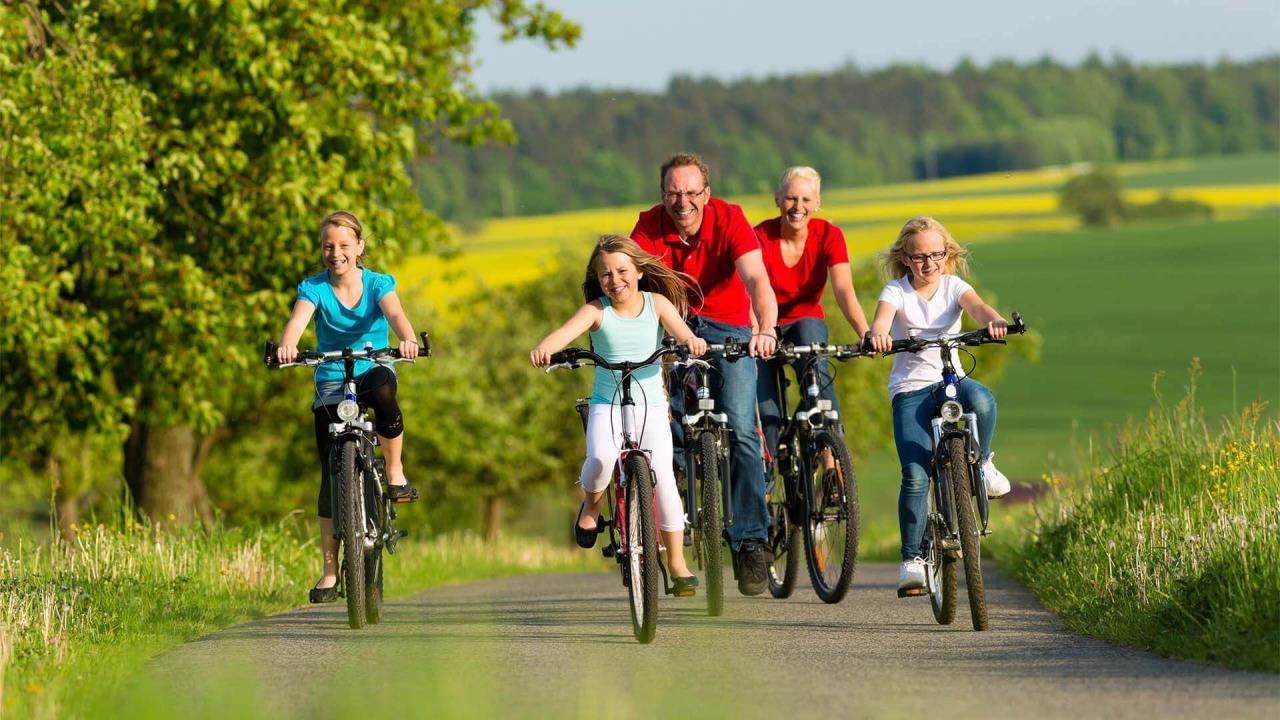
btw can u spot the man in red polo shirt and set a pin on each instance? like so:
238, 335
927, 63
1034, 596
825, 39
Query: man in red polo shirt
712, 242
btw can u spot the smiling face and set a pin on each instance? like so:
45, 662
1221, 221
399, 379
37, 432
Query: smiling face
684, 194
926, 256
618, 277
341, 250
798, 201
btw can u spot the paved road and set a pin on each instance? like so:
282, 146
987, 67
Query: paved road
561, 646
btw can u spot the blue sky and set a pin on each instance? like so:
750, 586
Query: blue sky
640, 45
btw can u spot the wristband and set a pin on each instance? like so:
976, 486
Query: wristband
775, 337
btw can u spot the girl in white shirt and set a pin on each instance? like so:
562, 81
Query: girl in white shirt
926, 298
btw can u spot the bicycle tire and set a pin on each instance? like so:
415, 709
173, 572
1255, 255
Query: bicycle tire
351, 531
831, 522
642, 548
970, 537
373, 564
940, 575
786, 540
710, 521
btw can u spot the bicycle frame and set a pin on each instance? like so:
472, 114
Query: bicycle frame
963, 425
697, 376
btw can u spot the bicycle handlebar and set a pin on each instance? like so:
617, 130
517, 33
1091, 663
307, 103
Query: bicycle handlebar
980, 336
569, 358
839, 352
313, 358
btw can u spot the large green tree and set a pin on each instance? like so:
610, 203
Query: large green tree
260, 117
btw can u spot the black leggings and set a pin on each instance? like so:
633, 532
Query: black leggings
376, 389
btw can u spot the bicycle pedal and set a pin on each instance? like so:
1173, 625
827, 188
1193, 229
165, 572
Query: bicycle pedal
609, 550
912, 592
688, 539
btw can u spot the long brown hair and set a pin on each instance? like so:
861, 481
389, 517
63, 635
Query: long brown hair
895, 263
658, 278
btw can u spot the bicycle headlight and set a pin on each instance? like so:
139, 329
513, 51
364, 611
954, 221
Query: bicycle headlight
348, 410
951, 411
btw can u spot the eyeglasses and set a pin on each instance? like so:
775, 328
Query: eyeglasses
919, 258
675, 195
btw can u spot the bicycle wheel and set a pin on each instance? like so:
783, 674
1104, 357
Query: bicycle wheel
642, 548
351, 529
373, 562
970, 538
710, 521
785, 539
940, 572
831, 527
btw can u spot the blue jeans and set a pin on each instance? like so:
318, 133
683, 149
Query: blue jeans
804, 331
733, 386
913, 413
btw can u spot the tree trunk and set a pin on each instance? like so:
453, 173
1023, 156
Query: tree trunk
160, 472
66, 506
493, 516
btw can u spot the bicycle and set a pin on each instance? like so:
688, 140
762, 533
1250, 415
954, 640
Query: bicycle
707, 468
630, 497
365, 522
956, 486
815, 501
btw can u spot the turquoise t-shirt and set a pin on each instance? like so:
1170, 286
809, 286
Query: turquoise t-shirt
338, 326
621, 339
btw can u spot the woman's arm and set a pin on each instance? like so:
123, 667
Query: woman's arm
674, 324
881, 341
399, 322
287, 351
984, 314
847, 298
587, 318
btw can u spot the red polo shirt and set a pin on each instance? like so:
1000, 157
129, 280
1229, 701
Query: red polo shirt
708, 258
799, 288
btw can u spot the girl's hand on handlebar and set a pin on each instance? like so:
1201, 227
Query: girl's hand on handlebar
697, 346
762, 345
881, 343
540, 357
997, 329
286, 354
408, 349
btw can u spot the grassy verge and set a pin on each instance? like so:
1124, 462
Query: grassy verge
1170, 543
77, 619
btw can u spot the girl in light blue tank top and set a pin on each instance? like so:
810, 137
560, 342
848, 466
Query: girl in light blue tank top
630, 298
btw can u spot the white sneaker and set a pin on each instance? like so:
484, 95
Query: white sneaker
911, 574
997, 483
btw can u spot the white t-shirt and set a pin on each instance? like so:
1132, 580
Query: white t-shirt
917, 316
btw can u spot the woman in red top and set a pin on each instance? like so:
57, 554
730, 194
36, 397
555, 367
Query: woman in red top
800, 252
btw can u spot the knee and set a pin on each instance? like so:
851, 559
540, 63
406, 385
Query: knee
915, 481
594, 475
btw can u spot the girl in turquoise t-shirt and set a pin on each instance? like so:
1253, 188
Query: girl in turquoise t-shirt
352, 305
630, 297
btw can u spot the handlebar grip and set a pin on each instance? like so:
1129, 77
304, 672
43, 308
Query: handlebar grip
426, 345
269, 354
1018, 326
564, 356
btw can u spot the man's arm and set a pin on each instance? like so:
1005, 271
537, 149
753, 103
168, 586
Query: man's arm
750, 267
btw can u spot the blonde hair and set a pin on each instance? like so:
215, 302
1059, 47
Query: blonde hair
896, 264
658, 278
799, 172
344, 219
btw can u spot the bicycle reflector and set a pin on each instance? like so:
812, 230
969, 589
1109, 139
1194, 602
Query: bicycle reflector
951, 411
348, 410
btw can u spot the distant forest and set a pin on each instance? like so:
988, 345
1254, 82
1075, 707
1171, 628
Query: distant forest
593, 148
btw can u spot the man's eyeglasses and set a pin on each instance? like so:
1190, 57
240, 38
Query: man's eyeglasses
919, 258
676, 195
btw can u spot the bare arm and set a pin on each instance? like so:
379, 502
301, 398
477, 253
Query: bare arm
399, 322
880, 338
750, 267
847, 298
588, 317
287, 351
674, 324
984, 314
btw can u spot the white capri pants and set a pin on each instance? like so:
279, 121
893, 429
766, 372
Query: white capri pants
604, 440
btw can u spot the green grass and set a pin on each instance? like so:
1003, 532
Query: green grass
1227, 170
79, 619
1169, 542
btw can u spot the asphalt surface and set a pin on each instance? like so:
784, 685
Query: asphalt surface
561, 646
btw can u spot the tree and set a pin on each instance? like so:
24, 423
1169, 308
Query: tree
259, 119
1096, 196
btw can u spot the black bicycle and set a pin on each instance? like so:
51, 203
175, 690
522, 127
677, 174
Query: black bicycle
818, 496
630, 496
365, 515
956, 485
706, 471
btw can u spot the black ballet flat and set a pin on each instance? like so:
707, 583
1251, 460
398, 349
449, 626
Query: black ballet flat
584, 537
320, 596
402, 493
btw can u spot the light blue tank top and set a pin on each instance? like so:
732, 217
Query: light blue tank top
621, 339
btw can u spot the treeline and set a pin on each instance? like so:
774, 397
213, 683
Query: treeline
592, 148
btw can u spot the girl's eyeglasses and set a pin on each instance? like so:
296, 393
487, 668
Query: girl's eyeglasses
919, 258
